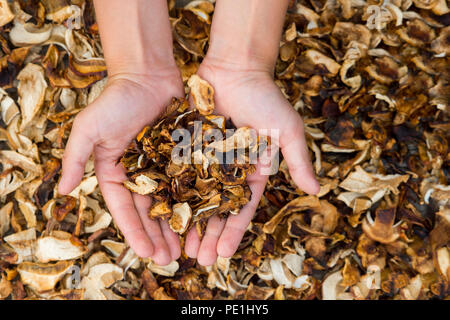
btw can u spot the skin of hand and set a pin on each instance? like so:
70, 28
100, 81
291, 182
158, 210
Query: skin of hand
105, 128
142, 79
240, 69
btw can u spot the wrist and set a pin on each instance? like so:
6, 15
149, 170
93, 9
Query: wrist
243, 59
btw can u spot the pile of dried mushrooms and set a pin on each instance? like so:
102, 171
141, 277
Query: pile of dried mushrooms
371, 81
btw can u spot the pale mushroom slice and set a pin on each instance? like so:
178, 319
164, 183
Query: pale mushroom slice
441, 45
281, 273
58, 246
100, 277
242, 138
443, 262
315, 57
382, 229
32, 87
48, 208
23, 243
27, 208
17, 160
234, 285
363, 182
264, 271
59, 11
43, 277
413, 289
26, 34
8, 107
102, 218
86, 187
202, 94
215, 278
180, 218
166, 271
126, 258
114, 247
331, 288
96, 258
6, 15
142, 185
298, 204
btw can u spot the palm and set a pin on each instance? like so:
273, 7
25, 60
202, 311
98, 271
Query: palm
251, 98
108, 125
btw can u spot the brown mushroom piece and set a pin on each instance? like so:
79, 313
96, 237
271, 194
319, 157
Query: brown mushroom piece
181, 217
202, 94
382, 229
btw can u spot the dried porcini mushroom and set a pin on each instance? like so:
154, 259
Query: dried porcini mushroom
382, 229
189, 190
6, 15
58, 246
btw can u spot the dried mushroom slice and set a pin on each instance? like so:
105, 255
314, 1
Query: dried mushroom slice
382, 229
25, 34
142, 185
32, 87
6, 15
43, 277
166, 271
58, 246
100, 276
181, 217
23, 243
202, 94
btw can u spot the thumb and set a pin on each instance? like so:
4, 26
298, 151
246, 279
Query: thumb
78, 149
295, 152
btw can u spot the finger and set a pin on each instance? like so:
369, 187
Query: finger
192, 243
236, 225
120, 204
295, 152
172, 239
78, 149
207, 253
161, 254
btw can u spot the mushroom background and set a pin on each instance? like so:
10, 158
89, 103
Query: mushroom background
371, 81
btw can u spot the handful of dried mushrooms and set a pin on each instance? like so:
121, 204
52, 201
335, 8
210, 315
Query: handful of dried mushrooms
189, 189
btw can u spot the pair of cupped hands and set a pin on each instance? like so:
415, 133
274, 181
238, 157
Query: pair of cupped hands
248, 96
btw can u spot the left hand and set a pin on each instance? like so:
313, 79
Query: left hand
250, 98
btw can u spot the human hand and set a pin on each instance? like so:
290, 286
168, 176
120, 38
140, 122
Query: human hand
105, 128
250, 98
